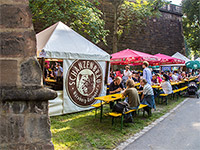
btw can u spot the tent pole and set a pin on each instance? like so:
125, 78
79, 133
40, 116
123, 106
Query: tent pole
106, 74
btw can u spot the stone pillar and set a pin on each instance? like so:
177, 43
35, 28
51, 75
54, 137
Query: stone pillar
24, 120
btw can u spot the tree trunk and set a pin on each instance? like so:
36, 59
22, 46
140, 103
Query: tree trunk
115, 40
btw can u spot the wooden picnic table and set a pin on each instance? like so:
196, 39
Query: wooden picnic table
174, 83
50, 80
155, 86
107, 99
191, 79
137, 84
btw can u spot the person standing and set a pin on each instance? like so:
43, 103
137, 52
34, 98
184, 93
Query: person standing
59, 73
46, 72
126, 74
146, 72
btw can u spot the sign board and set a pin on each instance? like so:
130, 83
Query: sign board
83, 81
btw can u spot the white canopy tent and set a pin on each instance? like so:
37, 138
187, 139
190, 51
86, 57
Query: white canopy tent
60, 41
198, 59
181, 56
82, 62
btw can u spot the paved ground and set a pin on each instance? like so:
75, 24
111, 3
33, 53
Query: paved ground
179, 131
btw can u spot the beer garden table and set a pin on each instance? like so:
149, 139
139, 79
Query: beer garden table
50, 80
115, 97
107, 99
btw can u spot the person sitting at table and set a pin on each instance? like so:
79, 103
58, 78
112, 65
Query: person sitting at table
180, 76
118, 73
110, 80
134, 76
137, 76
133, 99
174, 76
115, 87
184, 75
147, 97
170, 76
59, 76
154, 79
189, 74
166, 85
159, 77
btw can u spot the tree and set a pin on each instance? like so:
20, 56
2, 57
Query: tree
191, 24
81, 15
127, 14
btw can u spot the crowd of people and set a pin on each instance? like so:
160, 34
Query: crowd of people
124, 82
53, 71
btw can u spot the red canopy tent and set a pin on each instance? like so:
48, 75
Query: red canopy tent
165, 59
133, 57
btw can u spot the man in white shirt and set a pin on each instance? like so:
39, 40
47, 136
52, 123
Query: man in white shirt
127, 73
174, 77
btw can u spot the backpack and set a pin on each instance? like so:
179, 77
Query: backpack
121, 107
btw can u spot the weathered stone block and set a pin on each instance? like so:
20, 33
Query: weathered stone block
40, 107
30, 146
15, 1
37, 128
27, 94
15, 107
8, 72
15, 16
30, 72
12, 129
14, 44
23, 107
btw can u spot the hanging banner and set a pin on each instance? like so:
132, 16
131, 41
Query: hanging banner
83, 81
166, 68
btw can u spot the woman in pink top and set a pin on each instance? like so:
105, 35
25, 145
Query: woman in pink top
118, 73
159, 78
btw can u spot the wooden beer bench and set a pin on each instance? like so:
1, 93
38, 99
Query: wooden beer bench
116, 114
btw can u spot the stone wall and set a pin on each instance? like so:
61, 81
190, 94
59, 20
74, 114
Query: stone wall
24, 120
24, 126
160, 35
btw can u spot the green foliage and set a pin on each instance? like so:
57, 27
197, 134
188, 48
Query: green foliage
81, 15
137, 13
191, 24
